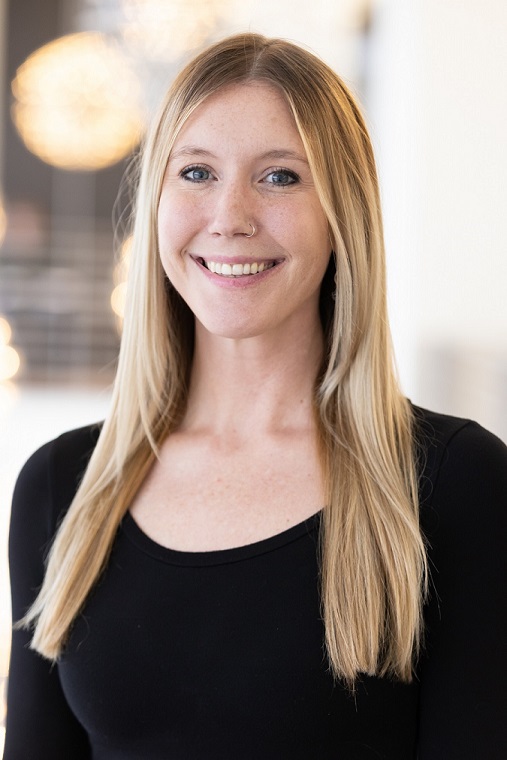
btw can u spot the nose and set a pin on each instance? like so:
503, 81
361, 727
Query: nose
233, 211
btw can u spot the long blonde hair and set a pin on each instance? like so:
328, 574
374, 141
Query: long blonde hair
373, 557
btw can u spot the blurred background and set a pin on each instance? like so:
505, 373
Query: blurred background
78, 82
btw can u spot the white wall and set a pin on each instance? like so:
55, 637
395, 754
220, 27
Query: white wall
439, 116
325, 26
464, 171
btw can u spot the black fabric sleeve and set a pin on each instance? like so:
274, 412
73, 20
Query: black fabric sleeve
463, 703
40, 725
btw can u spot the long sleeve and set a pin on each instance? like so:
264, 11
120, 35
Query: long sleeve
40, 724
463, 704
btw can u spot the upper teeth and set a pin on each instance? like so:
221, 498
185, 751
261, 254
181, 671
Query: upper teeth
237, 270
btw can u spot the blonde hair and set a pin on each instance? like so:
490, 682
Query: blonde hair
372, 554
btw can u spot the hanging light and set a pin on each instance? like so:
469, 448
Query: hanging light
77, 103
120, 275
9, 357
165, 30
5, 331
9, 362
118, 297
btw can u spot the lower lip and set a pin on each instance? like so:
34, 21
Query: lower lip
243, 281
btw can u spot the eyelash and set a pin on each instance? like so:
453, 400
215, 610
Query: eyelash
293, 177
195, 168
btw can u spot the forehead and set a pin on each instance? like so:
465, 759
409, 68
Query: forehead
248, 115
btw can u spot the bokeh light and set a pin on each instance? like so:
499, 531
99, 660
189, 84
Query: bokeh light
120, 275
164, 30
77, 102
5, 331
9, 362
118, 297
121, 270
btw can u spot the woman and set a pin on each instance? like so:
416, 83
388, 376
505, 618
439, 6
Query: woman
243, 571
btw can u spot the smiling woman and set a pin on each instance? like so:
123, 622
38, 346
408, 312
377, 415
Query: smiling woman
220, 184
238, 562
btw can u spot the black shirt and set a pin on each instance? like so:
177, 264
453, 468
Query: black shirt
219, 655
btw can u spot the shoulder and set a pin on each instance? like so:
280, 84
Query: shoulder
44, 490
463, 483
464, 520
49, 479
456, 450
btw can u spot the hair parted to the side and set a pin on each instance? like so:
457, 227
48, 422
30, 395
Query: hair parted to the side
373, 556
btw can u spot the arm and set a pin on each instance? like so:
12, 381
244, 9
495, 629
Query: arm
40, 724
463, 703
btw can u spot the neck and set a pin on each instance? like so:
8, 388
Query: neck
254, 385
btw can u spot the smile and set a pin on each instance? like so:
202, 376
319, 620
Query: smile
237, 270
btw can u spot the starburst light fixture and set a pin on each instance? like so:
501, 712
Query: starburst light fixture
166, 29
77, 102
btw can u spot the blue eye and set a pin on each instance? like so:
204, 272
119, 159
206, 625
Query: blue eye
196, 174
282, 177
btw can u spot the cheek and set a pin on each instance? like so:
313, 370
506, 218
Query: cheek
170, 243
177, 222
321, 235
315, 241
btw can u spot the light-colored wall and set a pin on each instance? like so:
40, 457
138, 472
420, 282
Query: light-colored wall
325, 26
438, 113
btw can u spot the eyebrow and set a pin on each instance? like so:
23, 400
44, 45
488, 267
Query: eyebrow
284, 153
191, 150
277, 153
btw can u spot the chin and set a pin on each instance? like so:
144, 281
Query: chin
231, 329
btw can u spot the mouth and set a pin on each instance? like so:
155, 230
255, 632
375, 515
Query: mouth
237, 270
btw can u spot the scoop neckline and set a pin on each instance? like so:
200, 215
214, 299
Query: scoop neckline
219, 556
